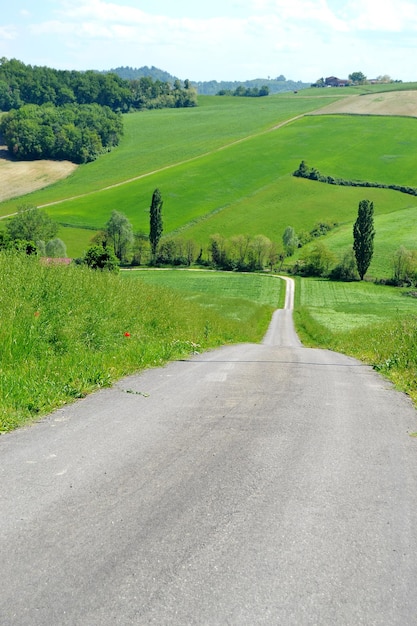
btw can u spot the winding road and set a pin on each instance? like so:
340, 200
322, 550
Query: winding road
254, 484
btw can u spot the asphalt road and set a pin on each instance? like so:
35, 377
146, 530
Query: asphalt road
254, 484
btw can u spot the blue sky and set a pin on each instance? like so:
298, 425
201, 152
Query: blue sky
217, 39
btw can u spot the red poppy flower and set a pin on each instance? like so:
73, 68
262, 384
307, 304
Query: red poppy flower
127, 334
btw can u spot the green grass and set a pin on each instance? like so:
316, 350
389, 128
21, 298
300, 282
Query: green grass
374, 323
246, 187
162, 138
66, 331
249, 298
342, 306
394, 229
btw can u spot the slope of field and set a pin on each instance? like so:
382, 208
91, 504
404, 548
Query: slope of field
154, 140
226, 167
390, 103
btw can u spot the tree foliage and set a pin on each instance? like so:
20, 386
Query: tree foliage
26, 84
404, 266
363, 236
357, 77
120, 232
100, 258
248, 92
156, 225
31, 224
78, 133
56, 248
290, 240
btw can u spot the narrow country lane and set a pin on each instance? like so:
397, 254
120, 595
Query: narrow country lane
254, 484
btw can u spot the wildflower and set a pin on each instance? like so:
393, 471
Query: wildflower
127, 334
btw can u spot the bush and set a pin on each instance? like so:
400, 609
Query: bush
101, 258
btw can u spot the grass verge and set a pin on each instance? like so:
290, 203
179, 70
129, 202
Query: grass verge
67, 331
373, 323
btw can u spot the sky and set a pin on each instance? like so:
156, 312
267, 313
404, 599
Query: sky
217, 39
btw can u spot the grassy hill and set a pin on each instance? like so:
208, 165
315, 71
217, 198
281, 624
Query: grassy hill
227, 166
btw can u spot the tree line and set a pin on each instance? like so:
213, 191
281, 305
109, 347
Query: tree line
312, 173
54, 114
32, 231
247, 92
22, 84
74, 132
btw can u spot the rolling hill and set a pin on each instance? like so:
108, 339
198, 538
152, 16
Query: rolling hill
227, 166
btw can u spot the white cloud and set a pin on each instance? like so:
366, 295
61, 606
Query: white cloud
387, 16
7, 33
302, 39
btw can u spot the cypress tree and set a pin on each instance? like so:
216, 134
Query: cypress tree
363, 236
156, 228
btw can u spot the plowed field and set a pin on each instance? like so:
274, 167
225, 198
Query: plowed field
390, 103
21, 177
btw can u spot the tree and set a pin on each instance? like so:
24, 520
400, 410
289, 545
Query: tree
56, 248
31, 224
404, 264
346, 268
140, 248
259, 249
357, 77
290, 240
363, 236
100, 258
156, 226
120, 232
317, 260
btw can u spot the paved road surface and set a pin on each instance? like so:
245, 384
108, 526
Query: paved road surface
255, 484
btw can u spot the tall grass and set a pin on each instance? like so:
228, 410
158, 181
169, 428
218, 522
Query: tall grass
373, 323
65, 331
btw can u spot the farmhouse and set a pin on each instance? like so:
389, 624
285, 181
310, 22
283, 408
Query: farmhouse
333, 81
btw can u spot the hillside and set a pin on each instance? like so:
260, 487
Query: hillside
226, 167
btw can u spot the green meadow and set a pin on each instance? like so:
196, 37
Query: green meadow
374, 323
240, 297
67, 331
226, 167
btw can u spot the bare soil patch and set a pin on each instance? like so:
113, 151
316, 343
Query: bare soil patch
389, 103
21, 177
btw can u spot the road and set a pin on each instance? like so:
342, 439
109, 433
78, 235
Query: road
254, 484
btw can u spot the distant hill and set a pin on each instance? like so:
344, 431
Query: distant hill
275, 85
212, 87
132, 73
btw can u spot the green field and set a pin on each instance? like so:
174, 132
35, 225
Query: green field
342, 306
67, 331
374, 323
226, 167
240, 297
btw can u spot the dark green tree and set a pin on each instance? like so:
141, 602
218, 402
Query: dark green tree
101, 258
156, 226
363, 236
357, 77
